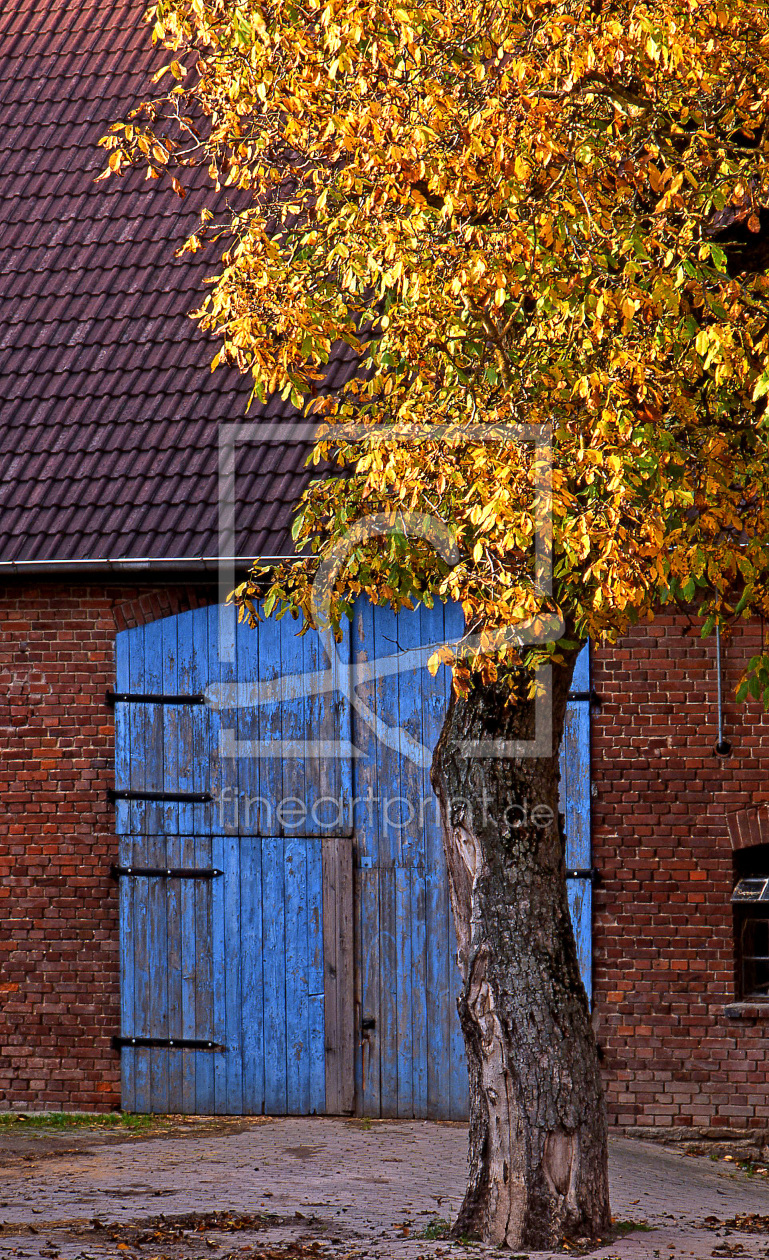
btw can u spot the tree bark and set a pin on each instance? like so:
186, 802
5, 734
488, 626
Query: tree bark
538, 1170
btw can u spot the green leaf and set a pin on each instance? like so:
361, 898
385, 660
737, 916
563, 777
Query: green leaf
761, 386
708, 627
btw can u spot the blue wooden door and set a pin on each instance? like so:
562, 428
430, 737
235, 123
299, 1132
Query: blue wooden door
302, 947
233, 794
412, 1060
575, 804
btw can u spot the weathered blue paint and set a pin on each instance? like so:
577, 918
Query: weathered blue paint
408, 979
239, 960
575, 803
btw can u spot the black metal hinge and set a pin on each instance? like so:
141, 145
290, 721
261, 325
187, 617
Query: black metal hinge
591, 695
577, 872
144, 697
197, 798
167, 1043
170, 872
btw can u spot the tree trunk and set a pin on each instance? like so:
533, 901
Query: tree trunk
537, 1118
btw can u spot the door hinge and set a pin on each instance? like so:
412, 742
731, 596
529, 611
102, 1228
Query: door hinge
144, 697
120, 794
170, 872
167, 1043
575, 872
591, 695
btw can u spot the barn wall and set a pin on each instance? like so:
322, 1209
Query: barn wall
663, 951
663, 971
58, 907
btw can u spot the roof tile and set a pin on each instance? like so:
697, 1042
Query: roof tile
109, 421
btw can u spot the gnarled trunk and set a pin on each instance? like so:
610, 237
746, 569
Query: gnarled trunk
537, 1118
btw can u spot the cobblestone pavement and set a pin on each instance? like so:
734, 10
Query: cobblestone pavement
334, 1188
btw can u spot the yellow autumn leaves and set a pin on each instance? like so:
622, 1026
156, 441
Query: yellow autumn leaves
539, 213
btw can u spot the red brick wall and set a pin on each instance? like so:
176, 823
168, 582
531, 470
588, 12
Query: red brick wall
663, 951
663, 924
58, 906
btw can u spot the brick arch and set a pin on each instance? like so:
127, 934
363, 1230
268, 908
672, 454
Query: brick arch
748, 827
139, 608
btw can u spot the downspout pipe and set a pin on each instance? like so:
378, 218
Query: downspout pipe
723, 746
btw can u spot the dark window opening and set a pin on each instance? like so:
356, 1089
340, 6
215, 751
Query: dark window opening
750, 900
754, 952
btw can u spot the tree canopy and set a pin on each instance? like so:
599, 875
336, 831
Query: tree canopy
550, 213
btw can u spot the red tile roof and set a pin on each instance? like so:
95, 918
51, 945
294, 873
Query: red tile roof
109, 414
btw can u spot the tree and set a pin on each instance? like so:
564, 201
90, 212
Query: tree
548, 213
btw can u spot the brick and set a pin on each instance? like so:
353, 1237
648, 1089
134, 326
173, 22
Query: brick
663, 947
59, 978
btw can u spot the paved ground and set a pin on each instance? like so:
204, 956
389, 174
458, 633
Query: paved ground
309, 1187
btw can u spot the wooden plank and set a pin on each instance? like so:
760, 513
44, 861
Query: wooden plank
366, 820
173, 933
138, 823
192, 775
580, 895
233, 964
223, 772
188, 858
197, 674
575, 774
387, 1024
403, 992
169, 715
157, 818
385, 749
251, 945
387, 755
142, 1026
422, 1049
205, 1100
219, 888
370, 943
328, 715
154, 749
168, 718
247, 725
332, 1017
184, 753
298, 788
222, 667
366, 783
414, 630
454, 624
315, 978
575, 802
265, 820
432, 631
339, 989
440, 1013
274, 976
297, 979
155, 848
345, 973
358, 1046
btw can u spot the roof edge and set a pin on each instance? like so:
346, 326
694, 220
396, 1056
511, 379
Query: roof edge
134, 564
